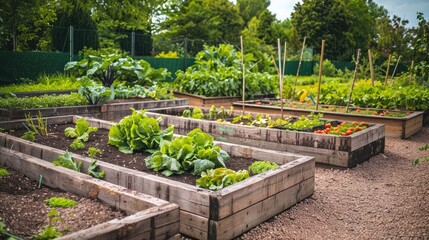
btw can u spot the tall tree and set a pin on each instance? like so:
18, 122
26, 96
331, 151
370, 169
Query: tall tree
251, 8
420, 45
328, 20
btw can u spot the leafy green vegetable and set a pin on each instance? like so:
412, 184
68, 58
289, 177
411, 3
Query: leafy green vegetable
60, 202
216, 179
138, 132
67, 162
29, 135
186, 113
44, 101
92, 152
3, 172
49, 232
92, 170
77, 144
197, 113
212, 112
305, 122
80, 132
262, 166
193, 153
94, 93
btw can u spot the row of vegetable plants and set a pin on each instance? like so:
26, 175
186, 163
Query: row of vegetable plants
309, 123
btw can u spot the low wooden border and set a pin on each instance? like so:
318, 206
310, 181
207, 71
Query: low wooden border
203, 101
150, 218
204, 214
108, 111
403, 127
342, 151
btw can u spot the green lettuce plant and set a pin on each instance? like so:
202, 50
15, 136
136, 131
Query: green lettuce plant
80, 133
194, 153
216, 179
138, 132
262, 166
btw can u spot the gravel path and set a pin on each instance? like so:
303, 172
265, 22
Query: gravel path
384, 198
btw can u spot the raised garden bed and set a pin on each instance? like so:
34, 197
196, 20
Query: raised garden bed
106, 111
204, 214
148, 217
203, 101
343, 151
403, 127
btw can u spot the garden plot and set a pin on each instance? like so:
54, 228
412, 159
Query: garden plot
204, 214
105, 111
148, 217
203, 101
343, 151
403, 127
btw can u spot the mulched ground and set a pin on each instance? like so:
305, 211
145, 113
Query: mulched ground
25, 214
111, 154
384, 198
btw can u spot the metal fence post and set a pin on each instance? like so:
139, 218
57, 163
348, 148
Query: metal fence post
71, 43
133, 44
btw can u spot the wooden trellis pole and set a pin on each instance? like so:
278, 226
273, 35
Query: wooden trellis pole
283, 77
387, 70
280, 75
411, 71
353, 82
371, 67
299, 67
322, 52
244, 75
394, 70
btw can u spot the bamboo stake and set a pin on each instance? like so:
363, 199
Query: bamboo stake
387, 71
371, 68
299, 67
275, 64
353, 82
411, 71
394, 70
244, 76
283, 77
280, 74
320, 73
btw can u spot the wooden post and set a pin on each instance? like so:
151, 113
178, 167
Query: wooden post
394, 70
353, 82
320, 73
299, 67
371, 68
283, 77
280, 74
244, 75
275, 64
387, 70
411, 71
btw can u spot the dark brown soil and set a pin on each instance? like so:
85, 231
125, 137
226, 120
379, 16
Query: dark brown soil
111, 154
24, 213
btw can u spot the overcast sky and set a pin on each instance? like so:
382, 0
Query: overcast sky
406, 9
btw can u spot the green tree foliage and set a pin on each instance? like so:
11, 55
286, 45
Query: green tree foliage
204, 19
328, 20
251, 8
420, 45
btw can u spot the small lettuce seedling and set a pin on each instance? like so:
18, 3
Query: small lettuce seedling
3, 172
80, 133
262, 166
60, 202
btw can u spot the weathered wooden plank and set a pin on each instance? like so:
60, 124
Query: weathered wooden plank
234, 225
228, 201
156, 216
194, 225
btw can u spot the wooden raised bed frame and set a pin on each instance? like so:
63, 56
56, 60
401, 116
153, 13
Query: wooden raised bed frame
203, 101
403, 127
204, 214
106, 111
149, 217
342, 151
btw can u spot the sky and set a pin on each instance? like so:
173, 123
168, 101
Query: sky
405, 9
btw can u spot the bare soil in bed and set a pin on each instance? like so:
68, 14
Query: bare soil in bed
25, 214
111, 154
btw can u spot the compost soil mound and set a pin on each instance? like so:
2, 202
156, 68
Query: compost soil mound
385, 197
23, 211
111, 154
